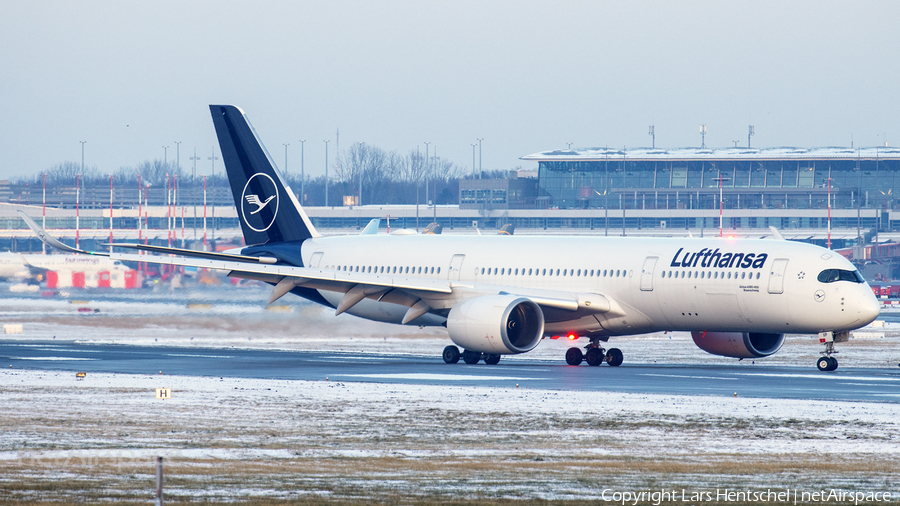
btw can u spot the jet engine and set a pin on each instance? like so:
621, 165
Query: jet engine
738, 344
496, 324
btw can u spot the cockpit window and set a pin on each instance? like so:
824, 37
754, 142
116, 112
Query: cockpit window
832, 275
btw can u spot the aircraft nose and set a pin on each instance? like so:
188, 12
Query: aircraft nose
869, 308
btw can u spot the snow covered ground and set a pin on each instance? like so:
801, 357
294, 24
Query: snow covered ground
243, 437
246, 439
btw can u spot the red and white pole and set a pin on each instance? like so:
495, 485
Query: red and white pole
829, 213
204, 212
77, 209
110, 212
140, 209
44, 209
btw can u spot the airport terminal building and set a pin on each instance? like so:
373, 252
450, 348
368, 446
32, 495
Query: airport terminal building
782, 187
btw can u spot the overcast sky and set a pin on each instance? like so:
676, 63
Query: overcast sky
131, 77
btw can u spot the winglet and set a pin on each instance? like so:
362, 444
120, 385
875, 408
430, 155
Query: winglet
372, 227
52, 241
776, 233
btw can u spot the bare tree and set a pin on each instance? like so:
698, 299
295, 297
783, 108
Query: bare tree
65, 174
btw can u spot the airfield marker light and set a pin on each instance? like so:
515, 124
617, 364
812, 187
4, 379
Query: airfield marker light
572, 337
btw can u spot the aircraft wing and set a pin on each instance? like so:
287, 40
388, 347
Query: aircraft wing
400, 289
285, 277
49, 240
302, 274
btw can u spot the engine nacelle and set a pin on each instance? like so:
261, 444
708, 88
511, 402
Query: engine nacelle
496, 324
738, 344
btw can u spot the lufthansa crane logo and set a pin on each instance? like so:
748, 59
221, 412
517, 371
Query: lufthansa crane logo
254, 199
259, 202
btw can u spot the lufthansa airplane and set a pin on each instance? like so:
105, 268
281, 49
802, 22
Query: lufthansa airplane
501, 295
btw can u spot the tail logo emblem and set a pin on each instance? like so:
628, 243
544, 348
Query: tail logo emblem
259, 213
254, 199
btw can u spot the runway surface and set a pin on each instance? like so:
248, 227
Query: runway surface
846, 384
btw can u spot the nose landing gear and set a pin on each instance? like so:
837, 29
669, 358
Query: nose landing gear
827, 362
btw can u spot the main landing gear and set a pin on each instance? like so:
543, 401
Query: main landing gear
595, 355
827, 362
451, 356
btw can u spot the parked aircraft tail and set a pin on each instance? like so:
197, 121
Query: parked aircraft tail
267, 208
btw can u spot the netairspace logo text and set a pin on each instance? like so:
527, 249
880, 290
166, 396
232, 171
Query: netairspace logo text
725, 495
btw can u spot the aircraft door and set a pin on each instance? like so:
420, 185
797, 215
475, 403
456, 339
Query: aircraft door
776, 275
647, 274
456, 267
316, 259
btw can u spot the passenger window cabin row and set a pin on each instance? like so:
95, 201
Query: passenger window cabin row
385, 269
708, 274
502, 271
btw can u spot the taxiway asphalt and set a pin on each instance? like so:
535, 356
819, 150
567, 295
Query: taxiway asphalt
846, 384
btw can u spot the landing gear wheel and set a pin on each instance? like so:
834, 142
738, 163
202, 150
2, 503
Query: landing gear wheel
827, 362
451, 354
471, 357
492, 359
614, 357
574, 356
594, 356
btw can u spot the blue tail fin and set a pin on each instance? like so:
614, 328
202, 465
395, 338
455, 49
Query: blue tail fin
267, 208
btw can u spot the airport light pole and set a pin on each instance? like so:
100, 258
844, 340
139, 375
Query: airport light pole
302, 172
702, 136
286, 144
166, 155
480, 168
653, 136
359, 148
473, 162
178, 154
425, 172
750, 134
194, 168
326, 172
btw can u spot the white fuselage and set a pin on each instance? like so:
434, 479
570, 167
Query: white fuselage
16, 265
651, 284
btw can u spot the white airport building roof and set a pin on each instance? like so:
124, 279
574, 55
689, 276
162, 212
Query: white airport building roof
738, 153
